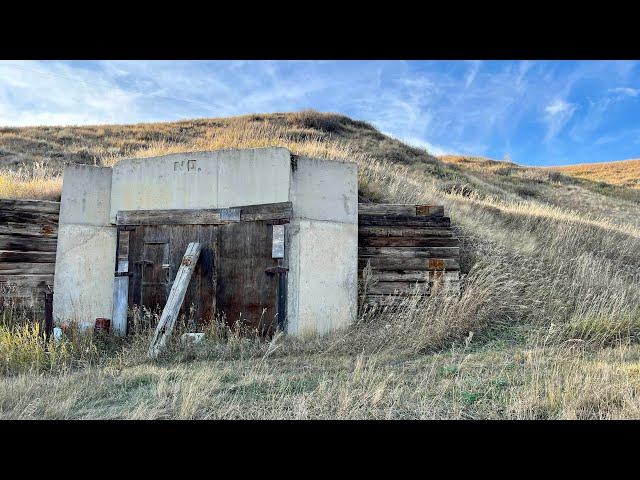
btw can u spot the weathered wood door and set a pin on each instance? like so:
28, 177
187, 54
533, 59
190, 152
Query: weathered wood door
155, 252
245, 292
234, 278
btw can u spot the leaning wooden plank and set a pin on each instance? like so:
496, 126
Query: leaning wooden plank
27, 257
44, 206
412, 263
174, 302
375, 231
408, 241
25, 243
403, 221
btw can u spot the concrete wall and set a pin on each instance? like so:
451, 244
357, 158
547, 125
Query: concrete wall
323, 246
223, 178
85, 255
322, 238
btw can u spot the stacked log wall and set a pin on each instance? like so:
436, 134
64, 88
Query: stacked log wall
28, 240
405, 250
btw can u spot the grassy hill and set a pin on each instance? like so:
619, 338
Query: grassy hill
547, 324
625, 172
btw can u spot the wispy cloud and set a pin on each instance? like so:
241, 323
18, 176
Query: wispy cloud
534, 110
627, 91
558, 113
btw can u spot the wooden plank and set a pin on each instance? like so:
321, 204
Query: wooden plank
403, 221
430, 210
27, 257
266, 211
27, 268
387, 288
410, 252
21, 243
19, 216
386, 209
171, 217
176, 297
399, 231
44, 206
216, 216
412, 275
27, 281
49, 230
408, 242
411, 263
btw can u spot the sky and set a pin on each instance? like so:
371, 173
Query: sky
532, 112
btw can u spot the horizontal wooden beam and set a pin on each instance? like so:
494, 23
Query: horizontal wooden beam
410, 252
27, 257
408, 242
411, 263
403, 221
27, 268
400, 209
375, 231
44, 206
217, 216
27, 243
411, 276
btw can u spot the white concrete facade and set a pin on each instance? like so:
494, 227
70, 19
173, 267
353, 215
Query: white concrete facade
322, 236
85, 255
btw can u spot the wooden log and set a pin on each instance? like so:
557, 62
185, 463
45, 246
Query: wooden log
398, 288
27, 268
27, 257
27, 243
386, 209
403, 221
174, 302
411, 263
369, 231
44, 206
266, 211
38, 218
430, 210
48, 230
408, 242
216, 216
411, 276
410, 252
27, 281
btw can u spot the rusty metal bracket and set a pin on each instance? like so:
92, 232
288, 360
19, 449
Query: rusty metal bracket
274, 270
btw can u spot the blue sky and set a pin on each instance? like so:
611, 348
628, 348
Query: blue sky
536, 112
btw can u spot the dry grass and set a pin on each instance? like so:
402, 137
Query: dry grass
625, 173
546, 326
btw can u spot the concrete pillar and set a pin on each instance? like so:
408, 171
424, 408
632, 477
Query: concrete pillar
85, 256
323, 246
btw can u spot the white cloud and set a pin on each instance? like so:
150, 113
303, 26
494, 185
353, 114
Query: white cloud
558, 113
630, 92
471, 74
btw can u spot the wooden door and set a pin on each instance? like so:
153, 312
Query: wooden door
155, 253
245, 291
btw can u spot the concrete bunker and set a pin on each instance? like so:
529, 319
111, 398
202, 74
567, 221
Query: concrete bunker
279, 236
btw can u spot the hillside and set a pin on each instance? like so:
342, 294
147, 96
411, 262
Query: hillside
547, 324
624, 173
